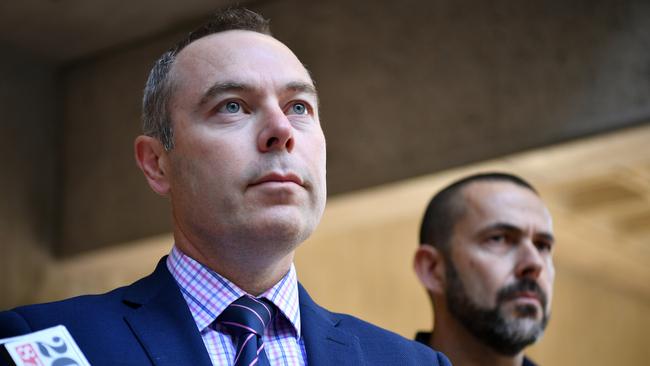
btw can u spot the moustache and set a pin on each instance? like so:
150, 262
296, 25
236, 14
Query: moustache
526, 285
277, 163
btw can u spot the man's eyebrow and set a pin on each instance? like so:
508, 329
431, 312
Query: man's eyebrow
301, 87
503, 226
222, 87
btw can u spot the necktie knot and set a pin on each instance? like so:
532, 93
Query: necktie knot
247, 315
245, 319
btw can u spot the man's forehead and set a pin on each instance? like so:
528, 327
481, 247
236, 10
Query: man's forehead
496, 190
239, 53
227, 42
506, 201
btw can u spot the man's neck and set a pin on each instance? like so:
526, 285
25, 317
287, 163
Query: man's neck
464, 349
254, 278
253, 274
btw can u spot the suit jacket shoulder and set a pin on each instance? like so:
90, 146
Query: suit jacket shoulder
127, 326
149, 323
340, 339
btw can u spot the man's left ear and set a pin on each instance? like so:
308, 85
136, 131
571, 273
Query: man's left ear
429, 266
151, 157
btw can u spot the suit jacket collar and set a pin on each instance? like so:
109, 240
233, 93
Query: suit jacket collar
160, 307
162, 321
325, 343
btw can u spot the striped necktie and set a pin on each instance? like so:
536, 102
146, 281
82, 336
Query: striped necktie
245, 319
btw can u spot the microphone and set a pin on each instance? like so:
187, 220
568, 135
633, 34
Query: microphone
48, 347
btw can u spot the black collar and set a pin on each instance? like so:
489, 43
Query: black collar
425, 338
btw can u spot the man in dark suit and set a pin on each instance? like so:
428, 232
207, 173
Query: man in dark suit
486, 260
232, 139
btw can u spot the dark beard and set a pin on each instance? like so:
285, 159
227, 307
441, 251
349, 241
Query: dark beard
490, 326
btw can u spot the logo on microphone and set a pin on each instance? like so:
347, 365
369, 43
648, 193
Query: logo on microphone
49, 347
28, 356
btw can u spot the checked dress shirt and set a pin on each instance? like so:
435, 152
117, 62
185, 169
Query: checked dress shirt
208, 294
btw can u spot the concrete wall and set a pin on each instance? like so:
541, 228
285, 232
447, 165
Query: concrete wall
106, 198
410, 87
28, 159
407, 88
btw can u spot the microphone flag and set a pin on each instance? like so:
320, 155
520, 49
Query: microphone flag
48, 347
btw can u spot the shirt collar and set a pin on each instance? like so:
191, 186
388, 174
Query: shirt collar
208, 294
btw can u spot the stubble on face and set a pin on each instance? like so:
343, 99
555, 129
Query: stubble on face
506, 332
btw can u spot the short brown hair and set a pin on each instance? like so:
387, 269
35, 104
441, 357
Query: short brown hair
446, 207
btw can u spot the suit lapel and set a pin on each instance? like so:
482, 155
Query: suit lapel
164, 326
162, 322
324, 342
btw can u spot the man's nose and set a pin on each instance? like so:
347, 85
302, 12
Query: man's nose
529, 261
276, 133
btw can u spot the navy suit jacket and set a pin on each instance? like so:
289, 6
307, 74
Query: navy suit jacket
149, 323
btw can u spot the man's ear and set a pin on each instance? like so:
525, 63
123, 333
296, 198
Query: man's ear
429, 266
151, 157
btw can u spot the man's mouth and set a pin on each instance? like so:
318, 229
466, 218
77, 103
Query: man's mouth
276, 178
526, 297
524, 292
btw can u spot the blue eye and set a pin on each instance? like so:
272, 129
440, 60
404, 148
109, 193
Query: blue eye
232, 107
299, 108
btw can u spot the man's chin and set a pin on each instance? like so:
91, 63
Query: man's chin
282, 224
524, 325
